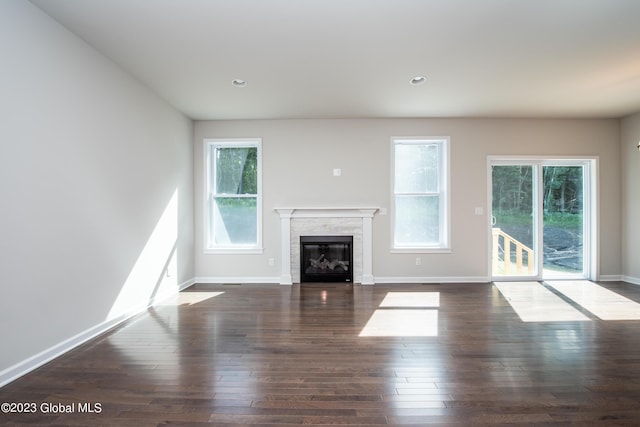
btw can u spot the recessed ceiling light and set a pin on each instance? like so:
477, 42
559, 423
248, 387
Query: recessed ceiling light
418, 80
239, 83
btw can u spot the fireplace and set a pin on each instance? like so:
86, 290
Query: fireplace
327, 221
326, 259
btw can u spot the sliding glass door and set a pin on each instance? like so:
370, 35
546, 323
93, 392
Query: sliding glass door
514, 221
540, 218
564, 233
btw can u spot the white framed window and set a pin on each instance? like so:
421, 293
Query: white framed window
233, 195
420, 168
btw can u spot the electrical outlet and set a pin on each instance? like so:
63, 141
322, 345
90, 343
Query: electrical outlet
418, 261
272, 262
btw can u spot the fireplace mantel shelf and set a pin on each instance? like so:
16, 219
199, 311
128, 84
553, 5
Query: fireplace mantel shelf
365, 213
328, 211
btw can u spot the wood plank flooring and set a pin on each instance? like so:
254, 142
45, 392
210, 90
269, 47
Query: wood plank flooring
292, 355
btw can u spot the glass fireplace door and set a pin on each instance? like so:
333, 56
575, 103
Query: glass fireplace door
326, 258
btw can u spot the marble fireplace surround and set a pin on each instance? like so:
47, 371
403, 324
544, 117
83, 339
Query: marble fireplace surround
326, 221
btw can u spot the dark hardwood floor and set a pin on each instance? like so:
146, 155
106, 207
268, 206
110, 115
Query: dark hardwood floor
280, 355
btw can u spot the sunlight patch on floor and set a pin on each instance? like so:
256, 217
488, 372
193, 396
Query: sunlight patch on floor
600, 301
402, 323
535, 303
188, 298
411, 299
404, 314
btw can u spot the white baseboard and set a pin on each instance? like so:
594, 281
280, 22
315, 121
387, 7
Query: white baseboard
397, 280
22, 368
610, 278
448, 279
632, 280
238, 279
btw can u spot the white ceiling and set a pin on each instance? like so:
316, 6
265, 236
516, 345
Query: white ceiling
354, 58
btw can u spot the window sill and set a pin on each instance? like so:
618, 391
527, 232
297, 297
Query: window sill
234, 251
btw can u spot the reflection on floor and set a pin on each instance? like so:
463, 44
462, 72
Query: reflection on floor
535, 303
602, 302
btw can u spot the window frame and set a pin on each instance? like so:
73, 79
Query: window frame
209, 194
444, 190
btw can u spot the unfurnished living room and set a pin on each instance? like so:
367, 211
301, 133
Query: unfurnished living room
357, 212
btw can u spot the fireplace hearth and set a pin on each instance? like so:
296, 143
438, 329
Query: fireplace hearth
326, 259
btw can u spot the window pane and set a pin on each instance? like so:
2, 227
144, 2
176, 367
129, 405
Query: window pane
417, 168
236, 170
235, 220
417, 220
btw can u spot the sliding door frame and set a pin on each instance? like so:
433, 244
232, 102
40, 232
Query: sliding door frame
591, 260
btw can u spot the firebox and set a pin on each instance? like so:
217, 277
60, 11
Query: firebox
326, 259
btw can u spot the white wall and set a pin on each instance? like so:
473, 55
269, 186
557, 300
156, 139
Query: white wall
299, 156
93, 166
630, 137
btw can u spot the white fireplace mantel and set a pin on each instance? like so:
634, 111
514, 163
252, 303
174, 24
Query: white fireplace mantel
287, 214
